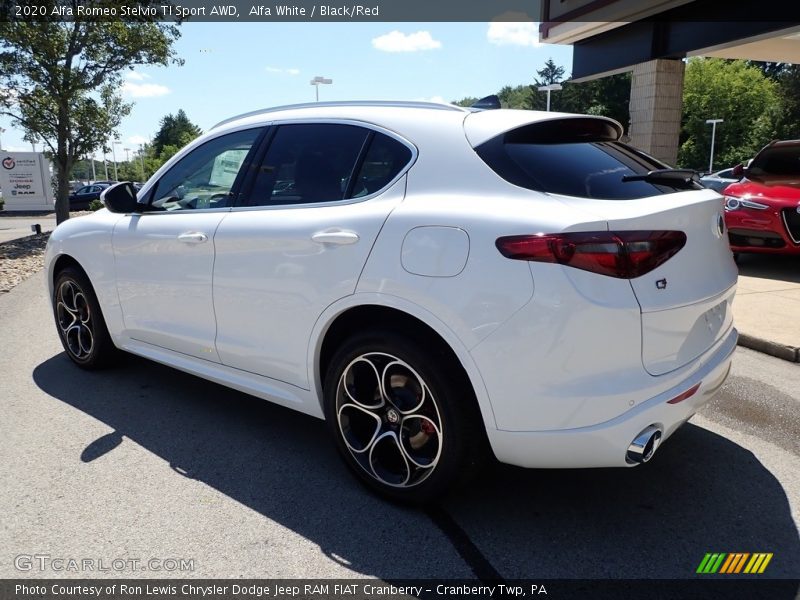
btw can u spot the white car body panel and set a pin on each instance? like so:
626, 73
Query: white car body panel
567, 366
166, 294
266, 308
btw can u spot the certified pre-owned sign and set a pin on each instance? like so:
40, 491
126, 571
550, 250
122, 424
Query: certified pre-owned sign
25, 181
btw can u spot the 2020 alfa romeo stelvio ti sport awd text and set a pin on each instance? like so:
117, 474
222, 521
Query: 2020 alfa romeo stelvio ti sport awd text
440, 284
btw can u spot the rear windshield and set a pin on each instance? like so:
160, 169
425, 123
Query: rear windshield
777, 160
587, 166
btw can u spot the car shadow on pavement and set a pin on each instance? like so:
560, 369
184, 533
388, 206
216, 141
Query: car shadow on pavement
701, 493
770, 266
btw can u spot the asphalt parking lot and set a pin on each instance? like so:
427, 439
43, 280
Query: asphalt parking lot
16, 227
143, 462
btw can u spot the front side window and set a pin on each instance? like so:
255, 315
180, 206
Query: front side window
308, 163
205, 177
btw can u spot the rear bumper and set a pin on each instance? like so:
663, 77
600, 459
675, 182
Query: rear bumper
605, 444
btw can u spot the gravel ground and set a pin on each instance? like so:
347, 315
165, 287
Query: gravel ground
23, 257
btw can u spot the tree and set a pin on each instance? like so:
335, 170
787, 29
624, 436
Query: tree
549, 74
740, 94
59, 80
175, 131
515, 97
466, 102
787, 78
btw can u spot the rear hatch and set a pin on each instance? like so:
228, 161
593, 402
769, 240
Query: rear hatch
685, 301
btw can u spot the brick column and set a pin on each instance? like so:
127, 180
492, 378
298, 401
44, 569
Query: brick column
655, 107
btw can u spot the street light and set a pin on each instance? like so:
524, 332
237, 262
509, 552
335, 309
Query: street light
127, 157
1, 141
553, 87
114, 156
317, 81
105, 161
713, 123
141, 159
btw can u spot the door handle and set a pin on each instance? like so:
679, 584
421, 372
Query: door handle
193, 237
341, 238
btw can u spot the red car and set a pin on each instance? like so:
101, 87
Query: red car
762, 211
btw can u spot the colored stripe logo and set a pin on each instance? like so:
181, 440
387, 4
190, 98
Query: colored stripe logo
734, 563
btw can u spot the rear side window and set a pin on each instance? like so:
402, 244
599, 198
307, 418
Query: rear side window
308, 163
384, 159
579, 157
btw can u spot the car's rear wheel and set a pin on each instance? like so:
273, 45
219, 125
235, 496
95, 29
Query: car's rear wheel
80, 322
404, 420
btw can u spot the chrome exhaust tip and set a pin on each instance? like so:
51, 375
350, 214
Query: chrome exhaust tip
643, 446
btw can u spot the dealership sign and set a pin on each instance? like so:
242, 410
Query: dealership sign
25, 181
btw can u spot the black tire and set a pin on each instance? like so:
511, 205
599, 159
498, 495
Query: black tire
79, 321
436, 445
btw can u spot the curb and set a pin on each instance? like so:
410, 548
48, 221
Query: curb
775, 349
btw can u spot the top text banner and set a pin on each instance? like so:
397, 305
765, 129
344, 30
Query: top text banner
272, 10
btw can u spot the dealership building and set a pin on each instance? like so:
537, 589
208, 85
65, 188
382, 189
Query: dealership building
651, 39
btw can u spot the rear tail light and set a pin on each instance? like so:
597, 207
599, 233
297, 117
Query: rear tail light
623, 254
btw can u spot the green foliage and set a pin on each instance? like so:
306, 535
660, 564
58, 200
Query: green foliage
788, 125
739, 93
95, 205
60, 81
516, 97
466, 102
174, 133
549, 74
607, 96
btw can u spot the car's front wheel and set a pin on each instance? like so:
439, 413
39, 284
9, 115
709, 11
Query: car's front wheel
403, 418
80, 322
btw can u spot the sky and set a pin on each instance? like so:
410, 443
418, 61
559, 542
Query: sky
233, 68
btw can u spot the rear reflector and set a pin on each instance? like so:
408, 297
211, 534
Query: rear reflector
687, 394
623, 254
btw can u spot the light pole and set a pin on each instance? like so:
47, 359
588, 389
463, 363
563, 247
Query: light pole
1, 141
141, 159
94, 173
553, 87
105, 161
127, 157
317, 81
713, 123
114, 156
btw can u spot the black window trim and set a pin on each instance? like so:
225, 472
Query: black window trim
239, 201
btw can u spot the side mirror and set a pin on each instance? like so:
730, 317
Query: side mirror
738, 171
121, 198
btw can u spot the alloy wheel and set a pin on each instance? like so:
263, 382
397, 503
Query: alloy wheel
74, 319
389, 420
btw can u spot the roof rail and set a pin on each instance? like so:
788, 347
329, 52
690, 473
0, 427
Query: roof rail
394, 103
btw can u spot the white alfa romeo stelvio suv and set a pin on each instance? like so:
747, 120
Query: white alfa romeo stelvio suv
440, 284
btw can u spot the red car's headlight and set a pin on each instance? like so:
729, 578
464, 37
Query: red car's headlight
734, 203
